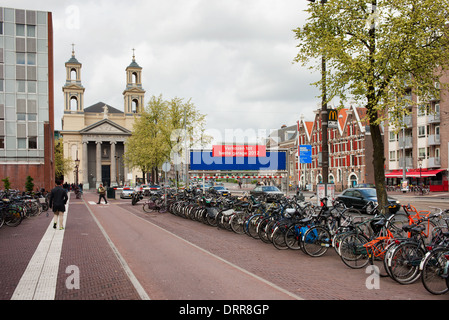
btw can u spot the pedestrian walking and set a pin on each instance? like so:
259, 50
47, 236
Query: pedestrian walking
101, 192
58, 199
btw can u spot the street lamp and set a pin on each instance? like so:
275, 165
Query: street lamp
324, 138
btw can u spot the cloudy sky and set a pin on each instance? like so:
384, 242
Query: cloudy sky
232, 58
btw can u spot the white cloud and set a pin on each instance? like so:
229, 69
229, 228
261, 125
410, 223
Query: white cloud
232, 58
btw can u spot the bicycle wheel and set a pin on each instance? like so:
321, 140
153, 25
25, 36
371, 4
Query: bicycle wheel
252, 226
292, 237
404, 262
352, 252
13, 217
146, 207
316, 241
237, 223
377, 258
262, 229
434, 268
395, 223
278, 237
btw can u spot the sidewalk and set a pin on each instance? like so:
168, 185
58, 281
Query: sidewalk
77, 263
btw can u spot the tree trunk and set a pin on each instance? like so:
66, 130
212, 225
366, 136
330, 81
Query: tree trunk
378, 165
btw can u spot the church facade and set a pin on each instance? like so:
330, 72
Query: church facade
96, 136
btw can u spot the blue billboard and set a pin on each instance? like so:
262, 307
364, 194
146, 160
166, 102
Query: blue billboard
305, 153
203, 160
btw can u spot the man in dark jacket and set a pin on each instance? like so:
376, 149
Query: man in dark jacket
58, 199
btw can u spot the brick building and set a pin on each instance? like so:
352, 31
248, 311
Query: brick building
350, 149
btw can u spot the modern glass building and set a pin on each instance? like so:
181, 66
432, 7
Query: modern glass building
26, 98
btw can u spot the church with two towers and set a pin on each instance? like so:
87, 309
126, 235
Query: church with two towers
96, 135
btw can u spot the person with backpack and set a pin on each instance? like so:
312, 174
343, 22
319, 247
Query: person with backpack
57, 201
102, 192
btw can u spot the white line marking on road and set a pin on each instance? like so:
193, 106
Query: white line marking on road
140, 290
225, 261
38, 282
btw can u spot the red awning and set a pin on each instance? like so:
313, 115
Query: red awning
394, 174
430, 173
413, 173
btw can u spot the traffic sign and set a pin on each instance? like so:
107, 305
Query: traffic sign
305, 153
166, 166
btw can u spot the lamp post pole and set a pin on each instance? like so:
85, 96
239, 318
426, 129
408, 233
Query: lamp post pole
324, 124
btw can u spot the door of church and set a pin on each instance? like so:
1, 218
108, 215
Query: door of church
106, 175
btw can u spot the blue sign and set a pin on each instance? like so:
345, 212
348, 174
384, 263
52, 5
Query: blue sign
305, 153
203, 160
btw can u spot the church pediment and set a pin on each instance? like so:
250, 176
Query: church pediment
105, 126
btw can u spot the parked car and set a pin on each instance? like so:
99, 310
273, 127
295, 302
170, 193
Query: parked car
359, 197
269, 192
220, 190
127, 192
364, 185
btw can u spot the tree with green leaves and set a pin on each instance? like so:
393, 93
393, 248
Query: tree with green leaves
6, 184
375, 52
29, 185
158, 133
62, 165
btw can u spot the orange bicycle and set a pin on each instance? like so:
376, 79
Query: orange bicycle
415, 217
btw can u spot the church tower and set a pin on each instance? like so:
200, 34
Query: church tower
73, 90
134, 93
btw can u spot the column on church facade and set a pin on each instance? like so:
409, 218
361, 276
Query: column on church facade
113, 164
98, 164
125, 167
85, 163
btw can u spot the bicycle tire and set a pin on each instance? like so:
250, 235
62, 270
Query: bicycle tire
146, 207
293, 237
378, 260
252, 227
237, 223
13, 218
262, 229
352, 252
434, 271
278, 238
404, 263
316, 241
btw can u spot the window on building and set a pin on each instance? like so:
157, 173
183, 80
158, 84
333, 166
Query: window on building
20, 58
392, 155
32, 86
32, 143
20, 30
2, 142
421, 153
421, 131
21, 116
21, 86
21, 143
392, 136
31, 31
31, 59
